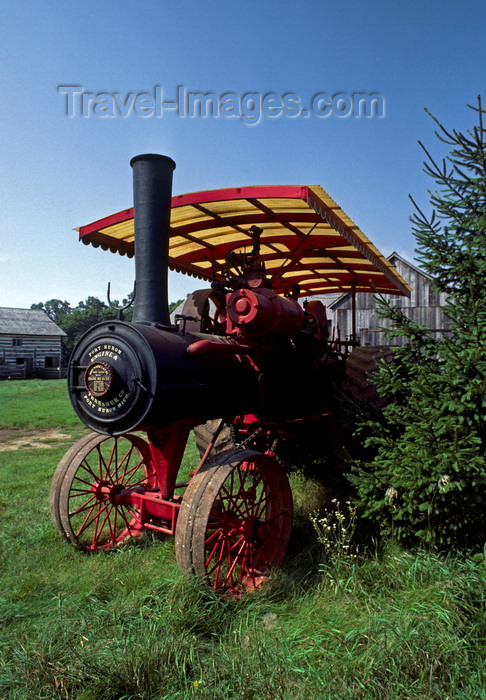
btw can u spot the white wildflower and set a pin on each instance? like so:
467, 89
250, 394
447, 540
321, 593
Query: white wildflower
269, 621
443, 481
391, 493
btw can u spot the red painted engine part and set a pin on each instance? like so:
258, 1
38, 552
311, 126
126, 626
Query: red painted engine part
258, 312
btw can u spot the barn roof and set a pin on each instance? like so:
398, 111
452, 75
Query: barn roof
395, 256
392, 258
27, 322
307, 239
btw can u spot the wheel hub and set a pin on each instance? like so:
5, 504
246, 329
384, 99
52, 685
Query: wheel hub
101, 490
106, 491
250, 528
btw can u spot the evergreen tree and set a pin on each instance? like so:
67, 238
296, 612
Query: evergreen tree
426, 481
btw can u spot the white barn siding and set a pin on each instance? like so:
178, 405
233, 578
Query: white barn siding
423, 306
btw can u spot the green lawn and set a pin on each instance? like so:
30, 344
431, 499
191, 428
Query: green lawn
36, 403
125, 624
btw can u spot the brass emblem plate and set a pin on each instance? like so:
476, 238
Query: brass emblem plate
99, 378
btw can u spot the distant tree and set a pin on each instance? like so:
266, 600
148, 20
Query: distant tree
427, 480
174, 304
55, 309
77, 321
87, 314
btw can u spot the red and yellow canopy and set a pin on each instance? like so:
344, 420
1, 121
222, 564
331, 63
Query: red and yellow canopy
307, 239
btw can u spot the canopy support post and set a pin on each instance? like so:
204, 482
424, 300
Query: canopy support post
353, 314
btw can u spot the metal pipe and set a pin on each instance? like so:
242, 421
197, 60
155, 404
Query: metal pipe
152, 191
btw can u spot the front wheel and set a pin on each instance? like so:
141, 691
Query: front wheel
83, 502
235, 521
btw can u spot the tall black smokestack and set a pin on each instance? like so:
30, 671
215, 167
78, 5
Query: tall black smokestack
152, 191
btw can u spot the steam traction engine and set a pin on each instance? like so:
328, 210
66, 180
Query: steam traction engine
243, 357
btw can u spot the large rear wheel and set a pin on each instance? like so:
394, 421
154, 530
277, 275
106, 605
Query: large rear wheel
204, 434
360, 374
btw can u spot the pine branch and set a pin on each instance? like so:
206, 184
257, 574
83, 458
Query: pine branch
442, 128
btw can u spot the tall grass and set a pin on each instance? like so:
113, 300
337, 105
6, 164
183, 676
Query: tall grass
126, 624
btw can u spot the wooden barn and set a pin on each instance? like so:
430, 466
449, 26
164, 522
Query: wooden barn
30, 345
425, 306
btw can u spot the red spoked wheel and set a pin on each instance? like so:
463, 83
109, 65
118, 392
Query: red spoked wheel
235, 521
83, 497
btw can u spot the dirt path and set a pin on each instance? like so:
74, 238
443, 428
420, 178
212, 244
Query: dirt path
37, 439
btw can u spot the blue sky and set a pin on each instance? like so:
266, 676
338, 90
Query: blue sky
61, 171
